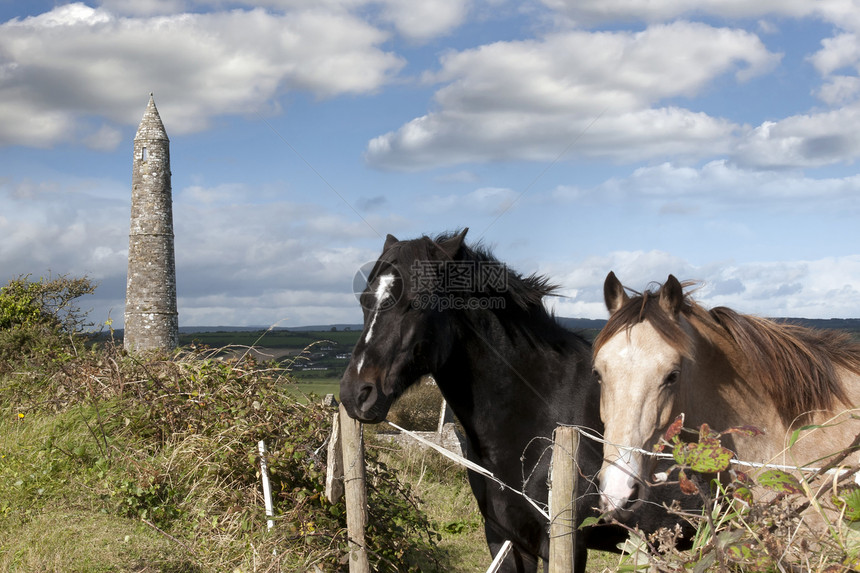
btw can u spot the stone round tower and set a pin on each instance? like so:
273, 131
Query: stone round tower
151, 319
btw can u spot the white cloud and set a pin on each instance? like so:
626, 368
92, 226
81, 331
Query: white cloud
421, 21
77, 61
807, 140
822, 288
840, 90
838, 52
818, 137
266, 261
585, 12
76, 227
722, 181
415, 21
106, 138
535, 99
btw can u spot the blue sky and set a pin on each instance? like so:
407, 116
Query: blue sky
714, 140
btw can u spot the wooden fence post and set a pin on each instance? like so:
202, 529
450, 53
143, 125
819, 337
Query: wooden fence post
334, 465
355, 491
562, 500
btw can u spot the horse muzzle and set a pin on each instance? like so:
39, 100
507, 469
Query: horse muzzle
619, 489
363, 400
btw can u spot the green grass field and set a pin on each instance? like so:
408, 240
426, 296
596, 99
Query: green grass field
319, 387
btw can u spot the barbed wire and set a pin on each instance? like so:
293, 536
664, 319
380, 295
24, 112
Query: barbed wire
733, 461
472, 466
587, 433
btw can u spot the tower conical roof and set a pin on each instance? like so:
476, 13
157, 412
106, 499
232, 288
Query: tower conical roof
150, 126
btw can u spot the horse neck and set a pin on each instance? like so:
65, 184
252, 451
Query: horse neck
724, 394
831, 432
502, 375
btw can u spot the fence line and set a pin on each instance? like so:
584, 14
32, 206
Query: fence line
351, 447
588, 434
733, 461
472, 466
500, 557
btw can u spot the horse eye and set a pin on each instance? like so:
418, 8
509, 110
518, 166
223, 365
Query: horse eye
596, 375
671, 378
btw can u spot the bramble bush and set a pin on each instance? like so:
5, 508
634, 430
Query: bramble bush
171, 440
763, 520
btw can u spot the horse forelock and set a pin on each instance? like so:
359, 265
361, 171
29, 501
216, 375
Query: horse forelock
646, 307
796, 366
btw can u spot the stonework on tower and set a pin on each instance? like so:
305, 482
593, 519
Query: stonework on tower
151, 318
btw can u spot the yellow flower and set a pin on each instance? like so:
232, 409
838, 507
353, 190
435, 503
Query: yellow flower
20, 415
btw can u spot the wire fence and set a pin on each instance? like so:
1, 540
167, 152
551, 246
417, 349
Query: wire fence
589, 434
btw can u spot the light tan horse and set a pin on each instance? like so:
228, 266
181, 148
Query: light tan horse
661, 354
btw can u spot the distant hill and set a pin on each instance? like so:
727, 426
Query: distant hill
833, 323
826, 323
581, 323
311, 328
575, 324
570, 323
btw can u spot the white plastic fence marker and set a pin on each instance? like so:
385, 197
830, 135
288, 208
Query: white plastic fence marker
500, 556
267, 489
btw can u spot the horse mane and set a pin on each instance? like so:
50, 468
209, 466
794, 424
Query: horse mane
524, 292
796, 366
521, 312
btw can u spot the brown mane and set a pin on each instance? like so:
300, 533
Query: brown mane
795, 365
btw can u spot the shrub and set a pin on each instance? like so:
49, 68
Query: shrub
40, 321
419, 407
764, 520
48, 302
173, 442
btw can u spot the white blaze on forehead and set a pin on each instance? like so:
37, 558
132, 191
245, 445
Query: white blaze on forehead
383, 291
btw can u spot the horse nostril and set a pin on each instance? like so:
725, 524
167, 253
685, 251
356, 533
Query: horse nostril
634, 495
364, 393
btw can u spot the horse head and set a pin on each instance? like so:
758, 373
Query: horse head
639, 358
404, 336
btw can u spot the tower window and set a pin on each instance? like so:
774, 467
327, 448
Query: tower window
144, 154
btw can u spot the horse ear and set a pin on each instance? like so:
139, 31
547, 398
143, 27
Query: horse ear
389, 241
672, 295
614, 293
452, 245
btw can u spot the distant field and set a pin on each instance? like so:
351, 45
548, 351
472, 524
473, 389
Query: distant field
316, 358
271, 339
320, 387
